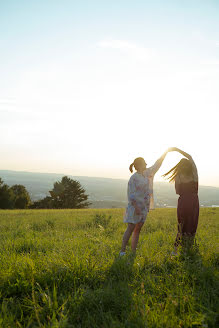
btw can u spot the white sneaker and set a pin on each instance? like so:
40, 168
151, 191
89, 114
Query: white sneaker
121, 253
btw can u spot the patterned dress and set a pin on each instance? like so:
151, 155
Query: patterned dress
140, 190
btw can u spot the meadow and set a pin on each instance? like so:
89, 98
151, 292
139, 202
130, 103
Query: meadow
60, 268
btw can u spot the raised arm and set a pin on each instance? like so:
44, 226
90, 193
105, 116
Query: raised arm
154, 168
181, 152
189, 157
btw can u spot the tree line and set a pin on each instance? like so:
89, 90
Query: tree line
67, 193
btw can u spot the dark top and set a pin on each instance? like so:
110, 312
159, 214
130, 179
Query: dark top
184, 188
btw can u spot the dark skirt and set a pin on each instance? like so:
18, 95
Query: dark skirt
187, 213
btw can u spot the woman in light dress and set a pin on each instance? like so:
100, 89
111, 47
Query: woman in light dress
140, 199
185, 176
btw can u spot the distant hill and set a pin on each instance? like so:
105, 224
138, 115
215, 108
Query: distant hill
103, 192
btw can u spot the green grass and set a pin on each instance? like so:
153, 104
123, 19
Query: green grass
60, 268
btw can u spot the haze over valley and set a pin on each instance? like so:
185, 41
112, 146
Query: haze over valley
103, 192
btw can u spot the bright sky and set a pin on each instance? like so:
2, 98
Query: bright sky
87, 86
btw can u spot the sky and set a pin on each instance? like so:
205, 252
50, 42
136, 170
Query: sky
87, 86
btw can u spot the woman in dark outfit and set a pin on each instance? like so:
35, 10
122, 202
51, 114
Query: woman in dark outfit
185, 176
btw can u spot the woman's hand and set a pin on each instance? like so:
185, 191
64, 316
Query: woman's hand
173, 149
181, 152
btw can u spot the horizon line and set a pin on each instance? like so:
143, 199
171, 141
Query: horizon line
87, 176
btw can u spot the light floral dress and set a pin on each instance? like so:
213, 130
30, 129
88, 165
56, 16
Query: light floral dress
140, 190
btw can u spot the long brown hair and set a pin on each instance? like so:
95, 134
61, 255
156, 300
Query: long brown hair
135, 163
183, 167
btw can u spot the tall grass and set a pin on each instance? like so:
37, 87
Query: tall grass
60, 268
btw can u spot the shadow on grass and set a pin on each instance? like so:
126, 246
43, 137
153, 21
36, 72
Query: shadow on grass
204, 284
109, 305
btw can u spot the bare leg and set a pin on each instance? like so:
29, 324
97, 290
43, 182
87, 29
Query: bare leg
127, 235
135, 235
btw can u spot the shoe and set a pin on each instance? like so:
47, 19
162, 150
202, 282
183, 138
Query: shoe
174, 253
121, 253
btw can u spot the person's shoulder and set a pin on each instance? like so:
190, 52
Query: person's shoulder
148, 172
132, 177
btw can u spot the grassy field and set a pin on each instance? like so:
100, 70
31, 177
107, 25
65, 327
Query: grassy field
60, 268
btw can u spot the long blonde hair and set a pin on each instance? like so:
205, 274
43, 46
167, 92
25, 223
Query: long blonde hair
183, 167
